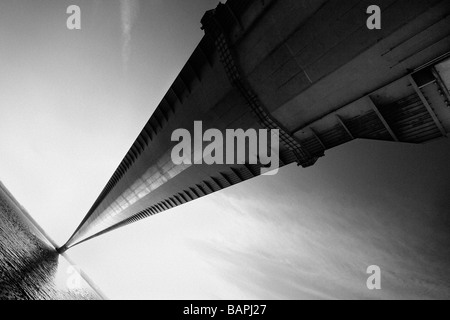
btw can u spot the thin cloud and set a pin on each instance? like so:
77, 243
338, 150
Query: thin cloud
128, 12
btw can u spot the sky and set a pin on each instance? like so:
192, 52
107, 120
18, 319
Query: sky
72, 103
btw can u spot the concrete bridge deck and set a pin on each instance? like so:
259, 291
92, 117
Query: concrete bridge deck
311, 69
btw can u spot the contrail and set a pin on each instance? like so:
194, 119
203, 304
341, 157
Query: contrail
128, 11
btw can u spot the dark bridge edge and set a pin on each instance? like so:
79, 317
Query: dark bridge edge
235, 175
202, 57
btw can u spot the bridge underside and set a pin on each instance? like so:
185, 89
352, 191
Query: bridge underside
312, 70
413, 109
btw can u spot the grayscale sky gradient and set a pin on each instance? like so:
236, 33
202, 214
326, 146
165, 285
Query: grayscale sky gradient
73, 102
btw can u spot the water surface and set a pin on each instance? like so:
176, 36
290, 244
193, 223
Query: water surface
30, 267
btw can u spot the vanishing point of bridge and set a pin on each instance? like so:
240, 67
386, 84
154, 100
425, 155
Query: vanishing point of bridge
311, 69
